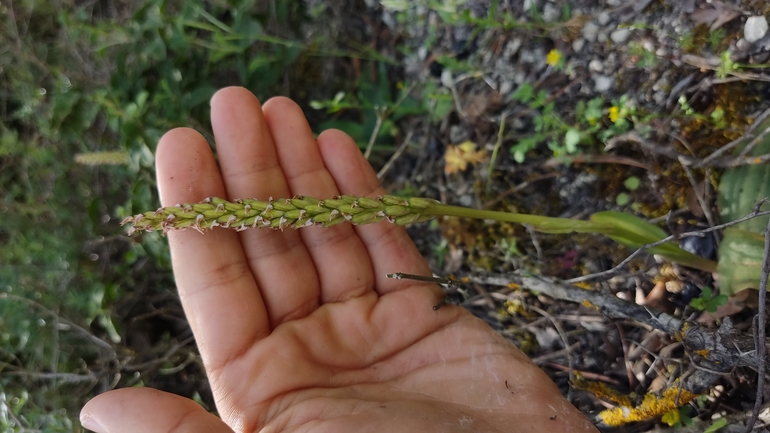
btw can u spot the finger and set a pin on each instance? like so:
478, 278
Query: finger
341, 261
147, 410
216, 286
281, 265
390, 248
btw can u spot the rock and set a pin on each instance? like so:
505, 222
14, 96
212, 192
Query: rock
458, 134
512, 47
614, 3
578, 44
519, 77
596, 65
422, 52
506, 87
466, 200
755, 29
662, 84
604, 18
603, 83
530, 56
447, 79
551, 13
528, 4
742, 45
620, 35
590, 30
601, 37
659, 97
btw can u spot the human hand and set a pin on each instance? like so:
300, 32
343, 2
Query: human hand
301, 331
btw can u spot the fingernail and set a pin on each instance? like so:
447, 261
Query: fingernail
91, 424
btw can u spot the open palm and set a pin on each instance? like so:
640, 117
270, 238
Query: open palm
301, 331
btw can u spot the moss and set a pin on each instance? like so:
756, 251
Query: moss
525, 341
756, 7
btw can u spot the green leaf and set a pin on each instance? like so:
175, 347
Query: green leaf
740, 260
524, 145
571, 140
718, 424
632, 183
622, 199
524, 93
634, 232
741, 250
741, 188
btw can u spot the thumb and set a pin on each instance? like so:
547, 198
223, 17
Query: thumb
147, 410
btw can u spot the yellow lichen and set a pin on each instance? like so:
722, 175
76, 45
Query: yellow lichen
652, 406
584, 285
601, 390
589, 304
516, 307
703, 352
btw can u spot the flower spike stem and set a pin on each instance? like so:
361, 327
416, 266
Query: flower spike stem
300, 211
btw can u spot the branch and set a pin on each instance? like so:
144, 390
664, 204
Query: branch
715, 353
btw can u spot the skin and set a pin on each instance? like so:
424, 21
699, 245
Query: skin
301, 331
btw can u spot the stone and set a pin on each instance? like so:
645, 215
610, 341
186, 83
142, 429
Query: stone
447, 79
519, 77
596, 65
603, 83
590, 30
458, 134
466, 200
551, 13
512, 47
620, 35
755, 28
528, 4
506, 87
604, 18
601, 37
578, 44
422, 52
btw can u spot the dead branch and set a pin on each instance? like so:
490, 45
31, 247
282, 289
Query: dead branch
715, 353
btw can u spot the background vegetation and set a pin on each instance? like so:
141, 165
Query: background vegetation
85, 308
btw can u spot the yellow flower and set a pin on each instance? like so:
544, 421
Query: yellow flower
458, 157
672, 418
614, 114
554, 57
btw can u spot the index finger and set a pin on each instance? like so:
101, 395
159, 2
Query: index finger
216, 286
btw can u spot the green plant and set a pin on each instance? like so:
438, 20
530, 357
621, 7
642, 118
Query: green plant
679, 417
563, 137
302, 211
726, 65
708, 301
92, 85
372, 108
631, 184
715, 38
643, 58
